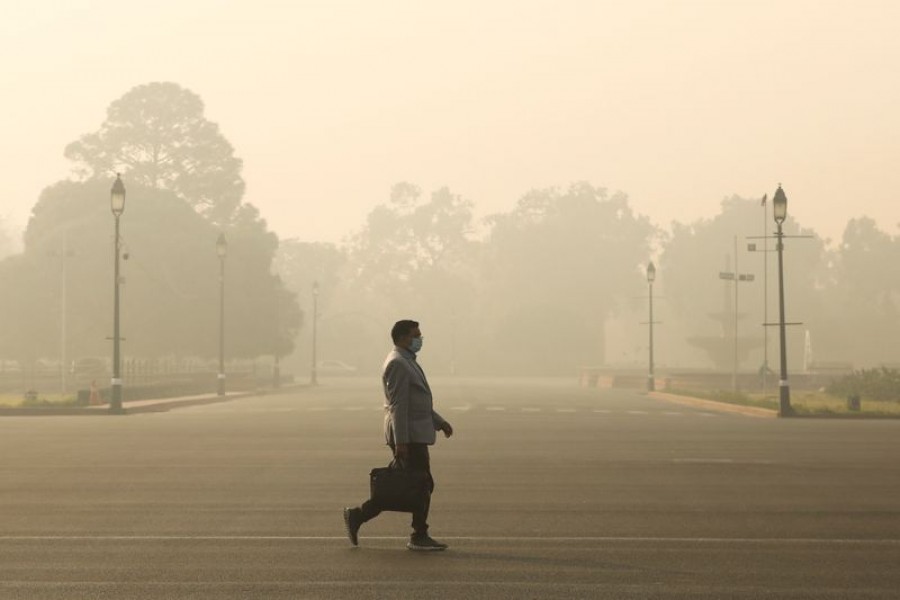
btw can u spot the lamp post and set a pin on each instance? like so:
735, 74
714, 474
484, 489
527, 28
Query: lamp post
63, 312
765, 365
651, 276
779, 204
221, 251
117, 204
314, 380
276, 368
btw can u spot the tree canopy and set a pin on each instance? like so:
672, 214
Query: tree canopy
414, 255
862, 323
535, 293
558, 265
158, 136
184, 189
169, 280
697, 253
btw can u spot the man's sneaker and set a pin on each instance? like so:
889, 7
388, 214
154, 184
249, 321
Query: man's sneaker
424, 543
352, 523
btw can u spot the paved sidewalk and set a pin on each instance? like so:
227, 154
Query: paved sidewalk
750, 411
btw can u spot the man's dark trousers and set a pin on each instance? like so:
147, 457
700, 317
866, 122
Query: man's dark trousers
418, 460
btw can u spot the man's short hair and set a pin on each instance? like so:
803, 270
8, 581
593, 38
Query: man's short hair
402, 329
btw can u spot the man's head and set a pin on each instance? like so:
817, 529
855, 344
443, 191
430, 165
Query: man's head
403, 332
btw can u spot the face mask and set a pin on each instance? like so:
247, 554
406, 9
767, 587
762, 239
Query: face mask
416, 345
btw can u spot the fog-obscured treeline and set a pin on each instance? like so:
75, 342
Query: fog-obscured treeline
555, 283
560, 282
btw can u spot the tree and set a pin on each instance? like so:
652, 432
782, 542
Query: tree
169, 271
696, 253
414, 257
158, 136
407, 237
264, 313
863, 320
71, 222
301, 265
8, 243
557, 267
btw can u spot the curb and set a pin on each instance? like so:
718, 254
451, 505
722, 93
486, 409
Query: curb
68, 411
129, 408
168, 404
749, 411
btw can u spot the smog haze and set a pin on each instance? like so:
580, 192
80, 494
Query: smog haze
677, 104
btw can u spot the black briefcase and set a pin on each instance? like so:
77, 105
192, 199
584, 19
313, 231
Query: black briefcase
397, 488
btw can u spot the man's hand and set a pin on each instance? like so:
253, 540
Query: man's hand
401, 452
447, 429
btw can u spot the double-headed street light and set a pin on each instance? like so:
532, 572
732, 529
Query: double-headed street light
117, 204
779, 204
651, 276
221, 251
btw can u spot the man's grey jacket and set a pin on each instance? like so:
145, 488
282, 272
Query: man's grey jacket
409, 416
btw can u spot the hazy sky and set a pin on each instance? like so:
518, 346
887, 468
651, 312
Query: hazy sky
677, 103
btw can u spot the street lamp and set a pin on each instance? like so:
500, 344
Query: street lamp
221, 251
276, 367
117, 204
314, 380
651, 276
765, 365
779, 204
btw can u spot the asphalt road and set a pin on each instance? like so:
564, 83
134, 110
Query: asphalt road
547, 490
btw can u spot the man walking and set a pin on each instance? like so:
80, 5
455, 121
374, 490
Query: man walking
410, 423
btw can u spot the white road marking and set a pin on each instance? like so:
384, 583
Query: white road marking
203, 410
722, 461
